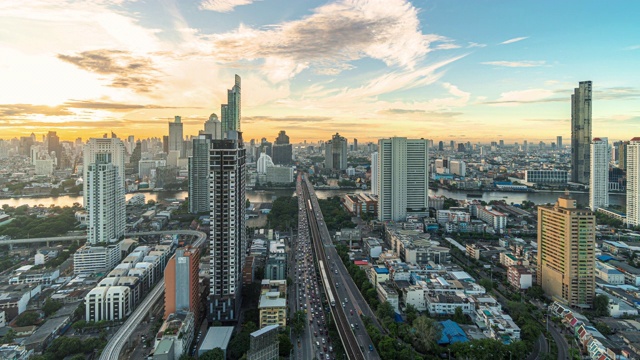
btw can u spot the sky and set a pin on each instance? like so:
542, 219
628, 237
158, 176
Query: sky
438, 69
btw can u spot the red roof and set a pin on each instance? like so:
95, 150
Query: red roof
597, 139
361, 262
636, 139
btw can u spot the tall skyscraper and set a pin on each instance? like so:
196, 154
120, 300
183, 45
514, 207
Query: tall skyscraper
227, 161
355, 144
375, 173
633, 182
175, 136
559, 141
53, 145
104, 191
335, 153
213, 127
599, 179
622, 154
230, 112
566, 252
403, 178
581, 132
282, 150
182, 281
199, 175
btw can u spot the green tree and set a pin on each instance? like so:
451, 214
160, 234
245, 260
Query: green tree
427, 332
601, 305
387, 348
459, 316
27, 318
385, 311
411, 313
536, 292
299, 321
486, 283
284, 345
603, 328
215, 354
51, 306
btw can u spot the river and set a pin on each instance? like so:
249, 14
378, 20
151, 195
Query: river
258, 196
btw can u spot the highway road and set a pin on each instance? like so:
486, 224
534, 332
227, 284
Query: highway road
355, 339
116, 343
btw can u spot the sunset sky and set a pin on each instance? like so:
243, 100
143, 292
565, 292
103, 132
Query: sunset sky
444, 69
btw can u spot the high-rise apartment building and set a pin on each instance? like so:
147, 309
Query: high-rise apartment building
622, 154
566, 252
181, 277
199, 175
227, 172
213, 127
335, 153
104, 190
581, 132
375, 171
633, 182
230, 112
599, 179
175, 136
403, 178
559, 141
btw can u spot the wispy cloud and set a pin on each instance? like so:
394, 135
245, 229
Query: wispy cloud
30, 109
511, 41
516, 64
127, 71
334, 34
292, 119
513, 98
475, 44
632, 47
67, 108
223, 6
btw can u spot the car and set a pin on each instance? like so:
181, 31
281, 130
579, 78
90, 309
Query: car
351, 311
317, 344
346, 300
370, 347
324, 341
328, 357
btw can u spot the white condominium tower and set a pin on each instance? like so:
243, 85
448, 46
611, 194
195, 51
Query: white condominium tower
599, 179
104, 192
633, 182
403, 178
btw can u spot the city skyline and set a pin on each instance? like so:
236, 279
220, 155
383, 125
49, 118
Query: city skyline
367, 68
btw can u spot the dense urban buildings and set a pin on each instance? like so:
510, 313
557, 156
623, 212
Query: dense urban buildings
403, 178
633, 182
581, 132
599, 179
566, 252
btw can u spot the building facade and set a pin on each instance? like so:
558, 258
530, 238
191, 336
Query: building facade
182, 282
581, 133
230, 112
335, 153
633, 182
403, 178
199, 175
546, 177
175, 136
374, 173
566, 252
599, 179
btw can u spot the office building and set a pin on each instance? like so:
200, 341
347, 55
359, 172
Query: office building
633, 182
622, 154
213, 127
89, 259
282, 150
581, 133
403, 178
53, 145
227, 172
566, 252
263, 344
335, 153
458, 167
182, 291
559, 142
599, 179
198, 172
230, 112
374, 173
104, 191
175, 136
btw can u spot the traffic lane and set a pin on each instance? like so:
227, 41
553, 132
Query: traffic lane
561, 342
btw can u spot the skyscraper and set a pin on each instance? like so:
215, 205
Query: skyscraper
213, 127
559, 141
403, 178
566, 252
230, 112
581, 132
199, 175
633, 182
227, 172
375, 173
104, 191
53, 145
335, 156
622, 154
181, 277
599, 179
282, 150
175, 136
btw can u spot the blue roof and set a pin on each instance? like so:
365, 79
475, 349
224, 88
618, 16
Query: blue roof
381, 270
451, 333
605, 258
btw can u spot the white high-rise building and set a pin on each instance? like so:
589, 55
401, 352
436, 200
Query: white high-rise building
227, 196
633, 182
403, 179
264, 162
104, 191
375, 171
175, 136
213, 127
458, 167
599, 177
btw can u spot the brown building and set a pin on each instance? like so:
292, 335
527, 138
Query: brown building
181, 276
248, 271
566, 252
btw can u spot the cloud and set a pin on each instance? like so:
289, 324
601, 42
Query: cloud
292, 119
65, 109
511, 41
423, 113
400, 111
336, 33
127, 71
517, 97
525, 63
632, 47
30, 109
475, 44
223, 6
617, 93
97, 105
547, 120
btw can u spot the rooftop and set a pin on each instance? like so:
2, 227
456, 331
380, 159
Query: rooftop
217, 337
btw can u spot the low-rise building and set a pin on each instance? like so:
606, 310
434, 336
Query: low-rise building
493, 217
609, 274
389, 294
414, 295
14, 298
497, 324
520, 277
263, 344
446, 304
273, 309
473, 251
378, 274
96, 259
178, 328
217, 337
